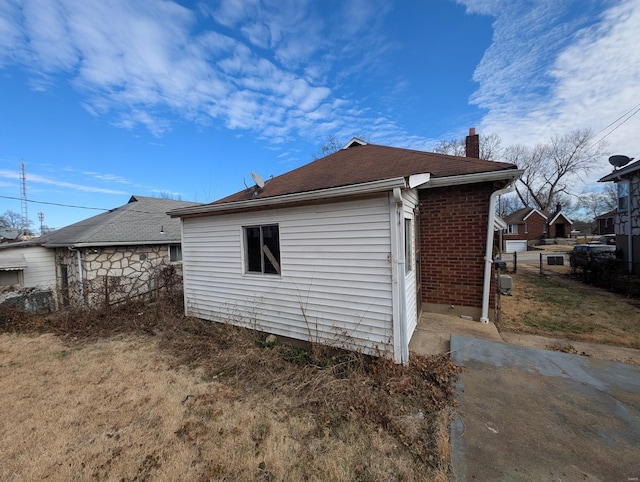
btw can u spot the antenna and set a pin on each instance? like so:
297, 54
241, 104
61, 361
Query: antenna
257, 179
619, 160
23, 198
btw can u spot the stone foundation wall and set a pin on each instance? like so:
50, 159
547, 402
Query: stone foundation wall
114, 274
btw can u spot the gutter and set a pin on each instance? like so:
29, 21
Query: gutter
106, 244
488, 261
286, 199
511, 174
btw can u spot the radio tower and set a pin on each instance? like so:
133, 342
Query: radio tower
23, 198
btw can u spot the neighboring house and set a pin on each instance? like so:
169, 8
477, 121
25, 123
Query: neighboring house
347, 250
627, 216
10, 235
605, 223
103, 259
528, 226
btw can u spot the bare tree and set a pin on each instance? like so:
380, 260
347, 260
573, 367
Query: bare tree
552, 168
452, 147
508, 204
490, 147
169, 195
331, 145
11, 220
597, 203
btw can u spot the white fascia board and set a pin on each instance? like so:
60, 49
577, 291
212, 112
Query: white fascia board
354, 140
557, 216
508, 174
499, 224
278, 201
534, 211
416, 180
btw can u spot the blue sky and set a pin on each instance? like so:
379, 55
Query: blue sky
107, 99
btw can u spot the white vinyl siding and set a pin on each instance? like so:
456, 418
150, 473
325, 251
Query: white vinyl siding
40, 271
335, 285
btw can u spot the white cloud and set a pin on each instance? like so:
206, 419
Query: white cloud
37, 179
544, 75
142, 64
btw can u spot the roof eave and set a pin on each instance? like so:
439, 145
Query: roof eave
503, 175
618, 174
280, 201
110, 243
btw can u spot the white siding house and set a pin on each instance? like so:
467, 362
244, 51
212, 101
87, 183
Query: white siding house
41, 268
25, 268
332, 289
330, 252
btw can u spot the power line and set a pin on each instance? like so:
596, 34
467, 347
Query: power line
54, 204
623, 115
81, 207
629, 114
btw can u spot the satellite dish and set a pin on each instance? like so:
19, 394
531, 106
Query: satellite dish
619, 160
257, 179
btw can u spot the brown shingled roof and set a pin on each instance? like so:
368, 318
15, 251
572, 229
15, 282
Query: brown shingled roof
366, 163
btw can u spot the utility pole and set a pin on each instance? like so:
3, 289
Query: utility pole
23, 199
41, 219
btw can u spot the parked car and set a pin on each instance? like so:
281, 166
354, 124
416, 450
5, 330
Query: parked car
589, 256
607, 239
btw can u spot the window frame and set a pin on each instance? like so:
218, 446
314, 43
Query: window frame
511, 229
624, 197
408, 245
177, 248
270, 262
19, 275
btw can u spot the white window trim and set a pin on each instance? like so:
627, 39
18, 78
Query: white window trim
245, 255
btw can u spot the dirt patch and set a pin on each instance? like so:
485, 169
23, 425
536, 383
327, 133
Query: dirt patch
143, 393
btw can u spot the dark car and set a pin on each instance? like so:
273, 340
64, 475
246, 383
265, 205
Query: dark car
589, 256
607, 239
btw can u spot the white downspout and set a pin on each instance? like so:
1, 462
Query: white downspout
629, 233
488, 261
404, 343
400, 344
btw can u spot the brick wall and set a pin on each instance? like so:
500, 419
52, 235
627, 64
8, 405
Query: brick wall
453, 233
535, 229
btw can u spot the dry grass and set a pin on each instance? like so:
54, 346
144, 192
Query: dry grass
145, 394
558, 306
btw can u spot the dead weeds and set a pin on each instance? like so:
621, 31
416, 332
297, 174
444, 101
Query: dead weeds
241, 409
558, 306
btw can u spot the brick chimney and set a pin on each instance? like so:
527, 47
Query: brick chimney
472, 145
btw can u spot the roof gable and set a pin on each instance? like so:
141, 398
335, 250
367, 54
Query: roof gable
521, 215
557, 216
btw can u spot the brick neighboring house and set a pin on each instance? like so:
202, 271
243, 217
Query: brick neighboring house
348, 250
527, 226
606, 223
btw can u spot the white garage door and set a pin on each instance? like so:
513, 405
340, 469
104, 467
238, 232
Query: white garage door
513, 246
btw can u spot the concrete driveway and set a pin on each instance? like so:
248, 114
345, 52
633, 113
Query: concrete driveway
530, 414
